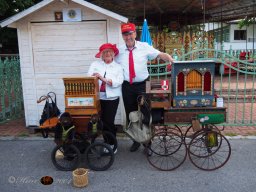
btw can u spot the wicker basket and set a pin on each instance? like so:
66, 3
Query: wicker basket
80, 177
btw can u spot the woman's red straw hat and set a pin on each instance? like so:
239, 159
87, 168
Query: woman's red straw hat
107, 46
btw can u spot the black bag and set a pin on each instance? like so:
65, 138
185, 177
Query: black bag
50, 108
144, 107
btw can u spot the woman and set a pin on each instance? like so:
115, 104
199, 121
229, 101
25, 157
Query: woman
110, 75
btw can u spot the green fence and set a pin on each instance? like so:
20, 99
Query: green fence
234, 82
11, 100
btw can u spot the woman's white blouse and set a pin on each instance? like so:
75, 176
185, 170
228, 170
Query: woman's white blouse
114, 72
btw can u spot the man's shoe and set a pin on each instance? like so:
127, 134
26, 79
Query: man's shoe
135, 146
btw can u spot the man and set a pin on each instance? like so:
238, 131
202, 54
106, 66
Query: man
133, 56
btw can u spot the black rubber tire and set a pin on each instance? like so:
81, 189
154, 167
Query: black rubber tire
70, 160
97, 159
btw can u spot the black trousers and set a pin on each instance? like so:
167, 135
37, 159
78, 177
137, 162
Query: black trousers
130, 96
108, 114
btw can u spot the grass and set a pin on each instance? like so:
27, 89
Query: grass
252, 134
23, 135
231, 134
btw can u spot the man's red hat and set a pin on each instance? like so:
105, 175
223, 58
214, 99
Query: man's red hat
128, 28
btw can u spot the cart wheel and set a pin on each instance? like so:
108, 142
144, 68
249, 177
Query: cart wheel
166, 151
209, 150
99, 156
66, 157
106, 137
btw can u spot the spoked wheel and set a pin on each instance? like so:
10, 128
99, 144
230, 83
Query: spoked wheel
166, 151
66, 157
99, 156
209, 150
106, 137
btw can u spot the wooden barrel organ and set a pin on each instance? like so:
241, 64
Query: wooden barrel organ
82, 100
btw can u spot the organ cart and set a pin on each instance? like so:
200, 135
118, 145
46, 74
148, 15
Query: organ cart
82, 103
185, 119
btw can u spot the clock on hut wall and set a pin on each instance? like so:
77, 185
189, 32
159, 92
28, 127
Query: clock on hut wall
72, 14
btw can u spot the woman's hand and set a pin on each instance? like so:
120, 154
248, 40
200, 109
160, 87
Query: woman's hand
98, 76
108, 81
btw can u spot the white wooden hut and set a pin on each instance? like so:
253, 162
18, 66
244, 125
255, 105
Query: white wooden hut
59, 38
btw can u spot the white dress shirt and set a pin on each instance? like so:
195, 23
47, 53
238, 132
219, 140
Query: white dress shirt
142, 52
114, 72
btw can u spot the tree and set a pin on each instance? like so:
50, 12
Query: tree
246, 22
11, 7
8, 37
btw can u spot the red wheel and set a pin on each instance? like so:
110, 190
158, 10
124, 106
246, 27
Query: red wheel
209, 150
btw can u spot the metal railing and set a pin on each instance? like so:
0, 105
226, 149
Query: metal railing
234, 82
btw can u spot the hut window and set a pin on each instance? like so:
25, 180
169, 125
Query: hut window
180, 82
194, 80
239, 34
207, 81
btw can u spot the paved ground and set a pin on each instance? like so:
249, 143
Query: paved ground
24, 162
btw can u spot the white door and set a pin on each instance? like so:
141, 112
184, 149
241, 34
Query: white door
66, 48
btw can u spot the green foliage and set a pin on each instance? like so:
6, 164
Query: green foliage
3, 7
11, 7
245, 22
8, 36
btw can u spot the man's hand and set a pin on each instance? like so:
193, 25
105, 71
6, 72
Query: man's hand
169, 67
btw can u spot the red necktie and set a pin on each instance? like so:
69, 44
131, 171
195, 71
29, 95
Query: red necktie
131, 66
103, 85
